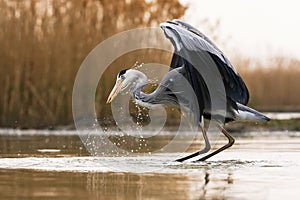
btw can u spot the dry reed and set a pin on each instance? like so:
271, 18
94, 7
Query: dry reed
273, 87
43, 44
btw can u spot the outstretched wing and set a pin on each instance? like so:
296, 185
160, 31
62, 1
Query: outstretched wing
201, 57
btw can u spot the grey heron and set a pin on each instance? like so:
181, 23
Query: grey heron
197, 60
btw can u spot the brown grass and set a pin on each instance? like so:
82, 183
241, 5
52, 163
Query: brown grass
44, 42
273, 86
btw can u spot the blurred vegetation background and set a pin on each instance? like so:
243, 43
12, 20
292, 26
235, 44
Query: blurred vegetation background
43, 44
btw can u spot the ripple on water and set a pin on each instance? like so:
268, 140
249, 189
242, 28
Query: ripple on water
156, 164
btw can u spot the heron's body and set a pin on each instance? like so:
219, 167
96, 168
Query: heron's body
201, 80
154, 100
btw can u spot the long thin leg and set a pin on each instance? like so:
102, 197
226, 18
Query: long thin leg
205, 150
229, 144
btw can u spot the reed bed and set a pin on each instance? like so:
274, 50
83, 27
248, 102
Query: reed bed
43, 44
274, 85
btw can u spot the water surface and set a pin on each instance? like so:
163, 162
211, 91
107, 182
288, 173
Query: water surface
48, 165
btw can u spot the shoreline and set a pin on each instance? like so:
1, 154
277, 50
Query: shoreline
273, 125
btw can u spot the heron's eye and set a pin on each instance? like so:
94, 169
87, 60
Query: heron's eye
122, 77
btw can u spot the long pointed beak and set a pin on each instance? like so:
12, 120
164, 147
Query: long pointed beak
114, 91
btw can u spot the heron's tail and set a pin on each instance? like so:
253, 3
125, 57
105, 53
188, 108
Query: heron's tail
248, 114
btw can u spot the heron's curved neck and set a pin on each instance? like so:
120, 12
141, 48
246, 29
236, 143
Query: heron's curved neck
140, 80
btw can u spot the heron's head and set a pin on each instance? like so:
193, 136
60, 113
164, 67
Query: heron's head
124, 79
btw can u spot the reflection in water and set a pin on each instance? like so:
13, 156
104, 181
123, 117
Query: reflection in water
29, 183
35, 167
158, 186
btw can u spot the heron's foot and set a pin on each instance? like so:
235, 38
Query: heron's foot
198, 153
229, 144
205, 150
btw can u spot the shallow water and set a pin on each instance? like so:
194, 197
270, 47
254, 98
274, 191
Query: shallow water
48, 165
283, 115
